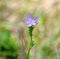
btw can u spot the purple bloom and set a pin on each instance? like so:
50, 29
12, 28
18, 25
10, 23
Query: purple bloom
31, 22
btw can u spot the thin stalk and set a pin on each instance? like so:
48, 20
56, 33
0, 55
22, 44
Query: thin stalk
28, 53
31, 42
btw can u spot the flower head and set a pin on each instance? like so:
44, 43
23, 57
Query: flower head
31, 22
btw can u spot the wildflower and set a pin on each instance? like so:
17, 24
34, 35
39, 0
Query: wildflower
31, 22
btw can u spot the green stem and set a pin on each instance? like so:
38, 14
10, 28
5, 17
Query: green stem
28, 53
31, 42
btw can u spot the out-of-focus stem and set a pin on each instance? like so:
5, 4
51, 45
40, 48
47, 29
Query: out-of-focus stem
31, 45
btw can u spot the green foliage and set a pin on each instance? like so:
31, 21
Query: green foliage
8, 46
4, 36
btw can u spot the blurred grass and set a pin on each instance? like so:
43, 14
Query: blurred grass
46, 34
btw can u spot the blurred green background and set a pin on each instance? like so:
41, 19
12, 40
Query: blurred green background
14, 37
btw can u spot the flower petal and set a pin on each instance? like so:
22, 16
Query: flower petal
28, 23
29, 17
33, 22
25, 21
36, 18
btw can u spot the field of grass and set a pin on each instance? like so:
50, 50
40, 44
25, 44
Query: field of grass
14, 34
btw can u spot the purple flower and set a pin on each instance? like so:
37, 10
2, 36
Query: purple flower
31, 22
